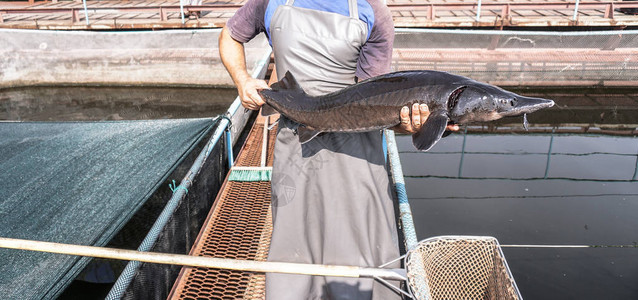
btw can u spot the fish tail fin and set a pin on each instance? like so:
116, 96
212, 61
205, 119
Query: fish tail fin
287, 83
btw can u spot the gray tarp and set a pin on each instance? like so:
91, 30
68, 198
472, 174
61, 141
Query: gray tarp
78, 182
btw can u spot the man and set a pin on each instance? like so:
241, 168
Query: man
331, 196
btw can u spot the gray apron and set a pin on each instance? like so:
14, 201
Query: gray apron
331, 196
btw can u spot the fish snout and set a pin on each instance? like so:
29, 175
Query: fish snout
524, 105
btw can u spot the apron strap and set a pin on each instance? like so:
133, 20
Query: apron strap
290, 2
354, 9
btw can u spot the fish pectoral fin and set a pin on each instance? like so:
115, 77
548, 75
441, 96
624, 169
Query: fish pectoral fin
431, 131
267, 110
306, 134
446, 133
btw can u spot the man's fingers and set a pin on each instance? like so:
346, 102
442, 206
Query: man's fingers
412, 119
262, 85
405, 115
453, 127
250, 93
249, 105
416, 116
248, 101
405, 118
256, 98
424, 111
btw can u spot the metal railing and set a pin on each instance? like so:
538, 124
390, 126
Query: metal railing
503, 11
506, 9
161, 10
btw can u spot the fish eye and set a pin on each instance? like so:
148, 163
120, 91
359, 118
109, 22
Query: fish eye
513, 102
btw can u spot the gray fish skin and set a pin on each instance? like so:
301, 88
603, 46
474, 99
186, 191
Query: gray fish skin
375, 104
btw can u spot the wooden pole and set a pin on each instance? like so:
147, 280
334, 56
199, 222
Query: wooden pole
202, 261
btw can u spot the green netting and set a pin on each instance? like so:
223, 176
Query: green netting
78, 182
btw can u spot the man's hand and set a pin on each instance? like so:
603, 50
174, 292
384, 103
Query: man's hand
248, 92
412, 120
232, 55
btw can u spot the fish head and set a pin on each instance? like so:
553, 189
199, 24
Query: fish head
479, 102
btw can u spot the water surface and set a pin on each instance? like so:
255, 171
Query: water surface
112, 103
540, 187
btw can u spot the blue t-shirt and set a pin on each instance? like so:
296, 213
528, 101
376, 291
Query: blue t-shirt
366, 14
375, 57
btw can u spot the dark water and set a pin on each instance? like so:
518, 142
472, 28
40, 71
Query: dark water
541, 188
112, 103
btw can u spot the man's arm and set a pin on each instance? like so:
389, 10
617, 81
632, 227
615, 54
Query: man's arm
234, 59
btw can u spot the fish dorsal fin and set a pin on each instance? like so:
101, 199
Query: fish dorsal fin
287, 83
431, 131
306, 134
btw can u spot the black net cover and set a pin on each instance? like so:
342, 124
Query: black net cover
78, 182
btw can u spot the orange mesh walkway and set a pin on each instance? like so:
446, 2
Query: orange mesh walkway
239, 226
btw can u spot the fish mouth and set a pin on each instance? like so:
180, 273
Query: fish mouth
525, 105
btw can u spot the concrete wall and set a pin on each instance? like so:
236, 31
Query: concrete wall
150, 58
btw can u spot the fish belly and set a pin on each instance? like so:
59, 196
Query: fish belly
354, 117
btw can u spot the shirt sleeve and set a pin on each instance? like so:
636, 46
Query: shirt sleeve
248, 21
376, 54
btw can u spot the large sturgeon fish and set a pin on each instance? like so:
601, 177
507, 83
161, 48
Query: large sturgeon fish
375, 104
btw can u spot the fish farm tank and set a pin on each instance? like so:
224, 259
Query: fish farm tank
562, 192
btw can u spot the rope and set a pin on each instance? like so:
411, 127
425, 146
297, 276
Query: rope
229, 139
179, 187
549, 153
227, 118
570, 246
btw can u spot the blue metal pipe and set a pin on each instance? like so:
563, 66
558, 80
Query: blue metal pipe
407, 223
229, 148
402, 195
